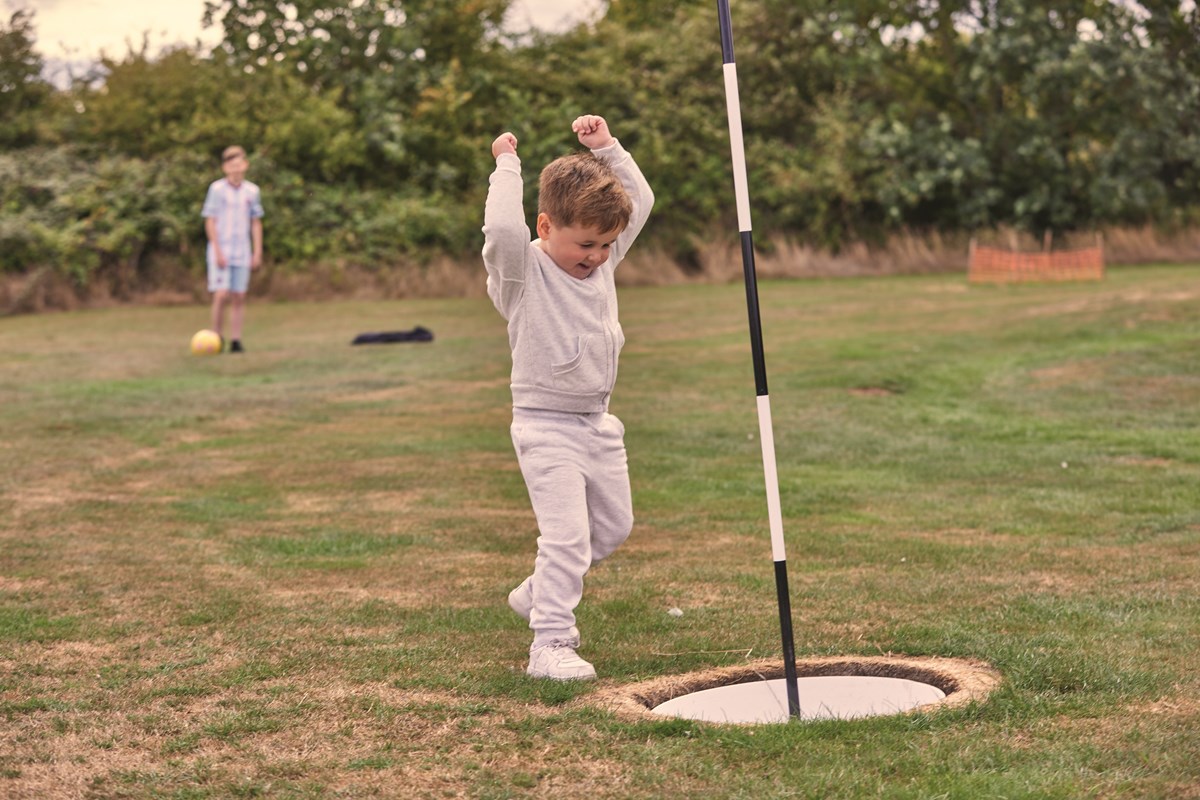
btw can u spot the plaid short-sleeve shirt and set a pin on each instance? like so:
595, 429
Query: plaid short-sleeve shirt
233, 207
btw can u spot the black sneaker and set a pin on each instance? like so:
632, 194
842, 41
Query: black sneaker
236, 346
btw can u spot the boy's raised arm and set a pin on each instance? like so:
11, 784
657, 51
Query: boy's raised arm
594, 134
505, 234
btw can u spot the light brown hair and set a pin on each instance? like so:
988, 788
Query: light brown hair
580, 189
232, 152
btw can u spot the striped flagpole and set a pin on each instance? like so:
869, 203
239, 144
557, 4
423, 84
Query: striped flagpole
765, 431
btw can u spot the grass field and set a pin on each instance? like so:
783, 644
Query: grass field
283, 574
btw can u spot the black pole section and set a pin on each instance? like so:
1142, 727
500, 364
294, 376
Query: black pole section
756, 340
741, 192
785, 629
726, 31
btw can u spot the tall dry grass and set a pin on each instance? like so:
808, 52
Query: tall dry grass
717, 260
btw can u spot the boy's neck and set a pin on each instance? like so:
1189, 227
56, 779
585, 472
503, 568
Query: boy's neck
235, 180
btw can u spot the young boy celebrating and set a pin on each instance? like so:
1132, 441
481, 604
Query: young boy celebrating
233, 215
558, 296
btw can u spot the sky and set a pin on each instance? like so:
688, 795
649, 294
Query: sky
79, 30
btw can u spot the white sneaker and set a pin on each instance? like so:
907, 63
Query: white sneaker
520, 600
558, 661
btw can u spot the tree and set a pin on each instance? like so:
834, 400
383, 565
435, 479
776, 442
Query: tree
372, 121
407, 70
22, 90
183, 102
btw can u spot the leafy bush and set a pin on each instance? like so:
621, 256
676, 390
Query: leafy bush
369, 124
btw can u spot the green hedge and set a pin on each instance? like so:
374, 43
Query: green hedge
369, 130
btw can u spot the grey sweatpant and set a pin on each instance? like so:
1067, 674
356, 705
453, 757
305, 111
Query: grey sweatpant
578, 479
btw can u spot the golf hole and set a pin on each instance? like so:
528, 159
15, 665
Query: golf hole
830, 688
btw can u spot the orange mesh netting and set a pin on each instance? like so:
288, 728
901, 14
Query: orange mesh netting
993, 265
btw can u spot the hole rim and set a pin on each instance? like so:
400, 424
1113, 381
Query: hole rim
963, 681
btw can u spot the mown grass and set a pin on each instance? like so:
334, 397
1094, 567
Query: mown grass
283, 574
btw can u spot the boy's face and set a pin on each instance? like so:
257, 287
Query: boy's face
235, 168
576, 249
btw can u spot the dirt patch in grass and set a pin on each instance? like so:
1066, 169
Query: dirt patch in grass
1163, 725
15, 585
1180, 706
270, 738
57, 658
1071, 373
328, 731
960, 536
1144, 461
327, 590
61, 493
32, 499
370, 502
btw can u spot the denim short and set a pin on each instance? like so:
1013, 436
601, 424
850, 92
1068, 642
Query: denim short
233, 279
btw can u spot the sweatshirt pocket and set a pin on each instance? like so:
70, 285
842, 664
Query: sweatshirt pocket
587, 372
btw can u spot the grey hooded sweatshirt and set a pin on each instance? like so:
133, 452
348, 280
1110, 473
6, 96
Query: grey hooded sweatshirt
564, 332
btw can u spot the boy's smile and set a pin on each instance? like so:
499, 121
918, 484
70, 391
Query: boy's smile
576, 249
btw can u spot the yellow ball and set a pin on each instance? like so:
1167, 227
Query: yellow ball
206, 343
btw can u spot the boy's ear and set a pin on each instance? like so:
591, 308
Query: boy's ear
543, 225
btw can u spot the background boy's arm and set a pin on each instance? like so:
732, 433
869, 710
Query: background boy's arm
210, 212
506, 236
210, 230
256, 237
256, 230
594, 134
